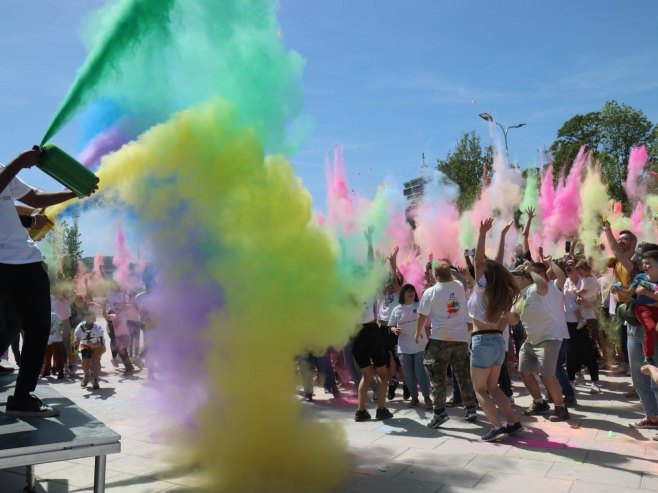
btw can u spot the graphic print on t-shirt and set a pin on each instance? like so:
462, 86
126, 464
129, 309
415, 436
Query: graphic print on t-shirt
453, 305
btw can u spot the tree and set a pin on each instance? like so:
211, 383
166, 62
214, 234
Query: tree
72, 249
465, 167
610, 134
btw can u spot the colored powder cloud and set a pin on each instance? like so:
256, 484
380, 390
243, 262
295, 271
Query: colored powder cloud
252, 226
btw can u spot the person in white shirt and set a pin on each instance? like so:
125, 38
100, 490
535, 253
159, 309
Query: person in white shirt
55, 349
403, 324
488, 307
369, 350
445, 305
582, 345
25, 288
541, 350
62, 307
90, 340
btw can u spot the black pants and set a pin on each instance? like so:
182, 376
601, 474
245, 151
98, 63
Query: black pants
25, 304
582, 351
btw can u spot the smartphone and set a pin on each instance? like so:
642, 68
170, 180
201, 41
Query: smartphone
567, 246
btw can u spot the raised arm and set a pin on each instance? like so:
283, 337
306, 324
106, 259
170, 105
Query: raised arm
530, 212
480, 257
24, 160
542, 285
393, 262
616, 250
500, 255
559, 274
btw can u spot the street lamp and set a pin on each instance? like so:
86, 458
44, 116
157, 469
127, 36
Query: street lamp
490, 119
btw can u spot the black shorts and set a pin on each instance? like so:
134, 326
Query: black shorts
368, 347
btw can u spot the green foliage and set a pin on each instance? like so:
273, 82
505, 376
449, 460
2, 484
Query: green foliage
610, 133
465, 166
72, 251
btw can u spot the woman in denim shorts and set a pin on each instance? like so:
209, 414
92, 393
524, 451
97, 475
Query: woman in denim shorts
491, 300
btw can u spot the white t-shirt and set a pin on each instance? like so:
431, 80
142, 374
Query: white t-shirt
88, 336
537, 316
387, 302
570, 305
590, 292
406, 318
445, 303
16, 247
476, 306
55, 329
556, 303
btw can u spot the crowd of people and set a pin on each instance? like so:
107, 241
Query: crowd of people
552, 318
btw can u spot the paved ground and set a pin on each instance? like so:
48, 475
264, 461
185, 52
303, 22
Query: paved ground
595, 451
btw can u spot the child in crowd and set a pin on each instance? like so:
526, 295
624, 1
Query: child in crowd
644, 285
55, 348
89, 338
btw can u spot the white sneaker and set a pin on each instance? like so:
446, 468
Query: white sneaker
594, 388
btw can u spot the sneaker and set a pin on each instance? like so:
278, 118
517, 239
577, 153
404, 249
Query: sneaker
405, 393
644, 424
561, 413
514, 428
308, 397
383, 413
454, 401
494, 434
471, 414
429, 404
362, 416
95, 385
60, 375
570, 400
414, 402
594, 388
127, 372
29, 407
437, 420
85, 382
6, 369
537, 408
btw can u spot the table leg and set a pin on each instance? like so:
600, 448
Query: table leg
99, 474
30, 483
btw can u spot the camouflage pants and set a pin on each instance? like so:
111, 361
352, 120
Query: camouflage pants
438, 354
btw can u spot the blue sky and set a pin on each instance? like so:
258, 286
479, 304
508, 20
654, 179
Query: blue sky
387, 79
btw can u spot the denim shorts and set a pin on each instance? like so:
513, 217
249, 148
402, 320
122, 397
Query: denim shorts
487, 350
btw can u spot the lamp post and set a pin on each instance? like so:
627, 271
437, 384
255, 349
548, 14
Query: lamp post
490, 119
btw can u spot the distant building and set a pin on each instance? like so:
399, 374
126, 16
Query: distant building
413, 189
